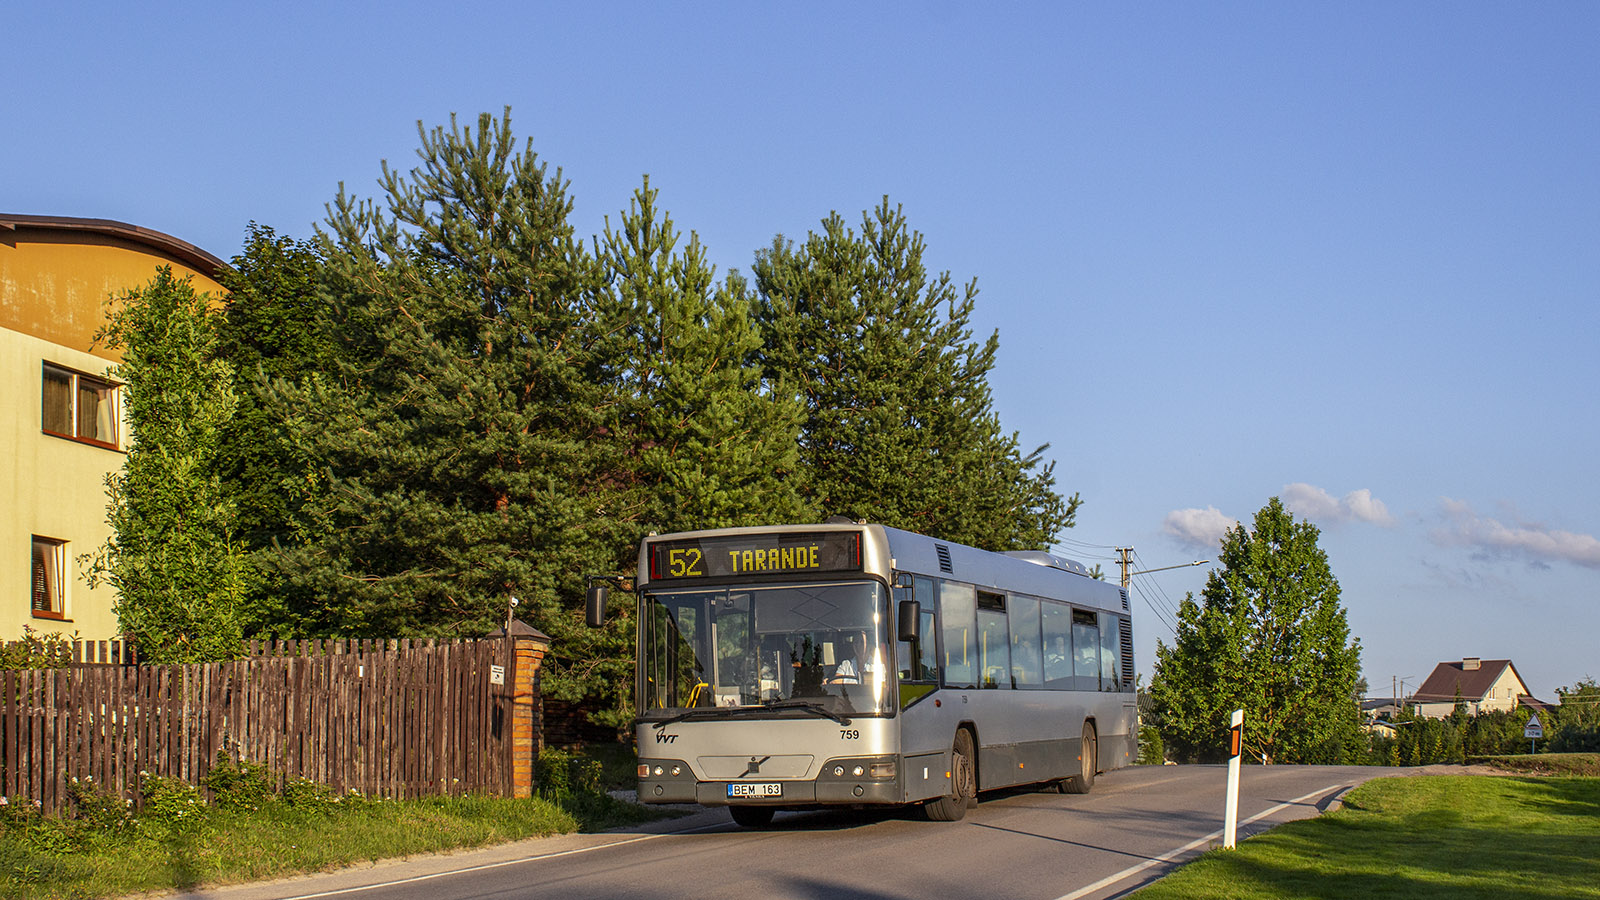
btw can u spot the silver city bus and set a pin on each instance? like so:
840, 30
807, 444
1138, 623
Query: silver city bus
805, 666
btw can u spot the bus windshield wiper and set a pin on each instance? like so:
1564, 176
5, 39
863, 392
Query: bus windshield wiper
709, 712
809, 706
720, 712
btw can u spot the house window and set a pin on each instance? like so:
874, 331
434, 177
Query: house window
80, 407
49, 578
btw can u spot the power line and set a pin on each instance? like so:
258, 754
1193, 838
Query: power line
1160, 615
1161, 592
1150, 586
1078, 543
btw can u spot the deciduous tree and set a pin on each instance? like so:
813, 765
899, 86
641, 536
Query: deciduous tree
1268, 636
272, 328
180, 573
1577, 719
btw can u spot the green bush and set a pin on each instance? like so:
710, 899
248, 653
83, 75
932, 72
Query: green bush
562, 774
37, 651
1151, 751
97, 810
239, 785
307, 795
171, 804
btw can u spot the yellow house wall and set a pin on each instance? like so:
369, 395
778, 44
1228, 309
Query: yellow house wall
52, 300
55, 488
54, 285
1503, 694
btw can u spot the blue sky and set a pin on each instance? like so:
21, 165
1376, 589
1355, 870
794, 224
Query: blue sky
1345, 254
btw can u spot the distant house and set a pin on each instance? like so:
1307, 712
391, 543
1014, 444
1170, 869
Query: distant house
1373, 708
1484, 685
1380, 726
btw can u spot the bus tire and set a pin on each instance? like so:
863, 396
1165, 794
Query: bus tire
963, 783
752, 816
1088, 756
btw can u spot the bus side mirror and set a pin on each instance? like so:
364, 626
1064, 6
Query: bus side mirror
908, 620
595, 603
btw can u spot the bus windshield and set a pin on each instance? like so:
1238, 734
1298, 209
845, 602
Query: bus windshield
809, 645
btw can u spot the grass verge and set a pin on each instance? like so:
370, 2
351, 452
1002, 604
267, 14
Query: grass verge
1456, 837
1586, 764
180, 843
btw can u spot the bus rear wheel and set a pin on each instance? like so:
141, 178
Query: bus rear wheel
1088, 751
752, 816
963, 783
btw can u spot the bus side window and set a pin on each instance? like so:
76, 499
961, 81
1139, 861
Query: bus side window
1110, 653
994, 641
1025, 663
958, 606
1086, 650
1057, 619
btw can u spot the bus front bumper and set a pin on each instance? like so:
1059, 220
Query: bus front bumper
878, 782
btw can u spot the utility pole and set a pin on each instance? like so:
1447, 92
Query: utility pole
1125, 560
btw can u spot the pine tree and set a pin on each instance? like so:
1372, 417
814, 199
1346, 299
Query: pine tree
900, 426
1271, 639
462, 427
708, 446
181, 576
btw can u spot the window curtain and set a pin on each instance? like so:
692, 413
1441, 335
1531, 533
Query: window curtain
47, 566
57, 401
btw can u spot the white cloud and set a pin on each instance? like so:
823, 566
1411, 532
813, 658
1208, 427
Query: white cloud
1535, 543
1202, 528
1312, 502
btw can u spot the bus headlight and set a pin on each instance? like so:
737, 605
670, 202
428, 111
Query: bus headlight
881, 770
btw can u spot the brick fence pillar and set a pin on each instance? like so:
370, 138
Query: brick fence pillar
528, 647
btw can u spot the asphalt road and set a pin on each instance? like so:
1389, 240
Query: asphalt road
1136, 825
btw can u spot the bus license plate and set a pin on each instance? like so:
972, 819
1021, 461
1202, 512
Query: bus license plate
769, 789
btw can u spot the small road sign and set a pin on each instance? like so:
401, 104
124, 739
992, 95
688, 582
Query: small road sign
1533, 729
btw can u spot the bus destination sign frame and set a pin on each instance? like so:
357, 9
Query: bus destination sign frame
777, 553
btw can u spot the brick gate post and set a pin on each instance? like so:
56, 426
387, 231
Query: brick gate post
528, 647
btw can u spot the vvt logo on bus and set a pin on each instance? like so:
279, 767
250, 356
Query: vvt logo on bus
663, 738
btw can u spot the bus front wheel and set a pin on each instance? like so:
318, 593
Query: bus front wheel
963, 783
1083, 782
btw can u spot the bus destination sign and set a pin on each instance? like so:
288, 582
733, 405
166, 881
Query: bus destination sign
756, 554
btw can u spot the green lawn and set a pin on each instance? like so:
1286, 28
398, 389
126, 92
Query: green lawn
1449, 837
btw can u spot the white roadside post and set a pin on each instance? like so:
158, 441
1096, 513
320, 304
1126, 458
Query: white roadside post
1230, 816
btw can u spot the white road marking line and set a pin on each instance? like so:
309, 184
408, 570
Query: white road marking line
1173, 854
498, 865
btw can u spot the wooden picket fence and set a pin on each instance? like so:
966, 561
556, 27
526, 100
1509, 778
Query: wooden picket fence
386, 718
